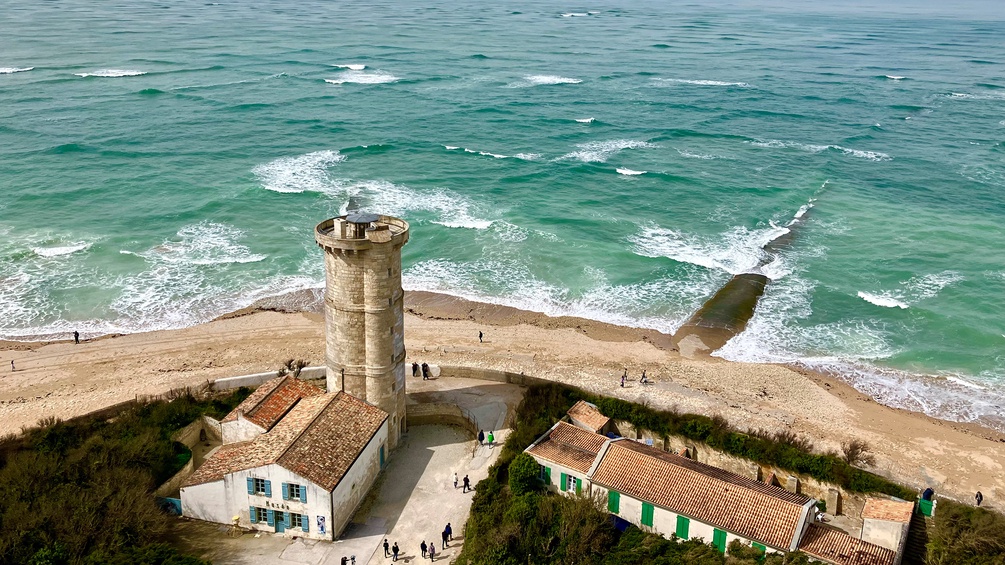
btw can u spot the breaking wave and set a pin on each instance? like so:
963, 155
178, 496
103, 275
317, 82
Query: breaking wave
112, 73
600, 151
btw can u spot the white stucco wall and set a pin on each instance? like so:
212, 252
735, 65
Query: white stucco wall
240, 430
356, 483
207, 501
664, 521
556, 475
885, 533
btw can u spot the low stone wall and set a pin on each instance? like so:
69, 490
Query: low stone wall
228, 383
490, 375
441, 413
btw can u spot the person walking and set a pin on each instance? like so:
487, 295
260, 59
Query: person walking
979, 498
345, 560
432, 552
415, 369
480, 335
623, 381
467, 484
449, 531
387, 548
443, 536
394, 550
76, 336
425, 371
481, 437
491, 439
12, 365
643, 379
422, 546
455, 479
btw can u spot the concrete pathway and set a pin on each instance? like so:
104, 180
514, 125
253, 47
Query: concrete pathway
413, 499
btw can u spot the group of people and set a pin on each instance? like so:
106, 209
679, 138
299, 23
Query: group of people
483, 439
467, 484
428, 548
424, 368
76, 340
644, 379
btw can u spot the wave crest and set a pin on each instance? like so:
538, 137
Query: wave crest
112, 73
600, 151
12, 70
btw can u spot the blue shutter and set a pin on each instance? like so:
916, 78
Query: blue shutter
305, 523
268, 489
251, 485
271, 516
286, 491
303, 496
287, 519
254, 515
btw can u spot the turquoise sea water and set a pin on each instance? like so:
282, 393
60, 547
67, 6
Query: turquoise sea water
164, 163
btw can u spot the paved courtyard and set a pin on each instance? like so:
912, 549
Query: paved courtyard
413, 499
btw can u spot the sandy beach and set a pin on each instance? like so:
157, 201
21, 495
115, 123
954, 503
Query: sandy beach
63, 379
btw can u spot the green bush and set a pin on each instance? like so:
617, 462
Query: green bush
523, 474
81, 491
965, 535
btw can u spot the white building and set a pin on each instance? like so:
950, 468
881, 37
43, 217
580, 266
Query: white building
307, 472
669, 494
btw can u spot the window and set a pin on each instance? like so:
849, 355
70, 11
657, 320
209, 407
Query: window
613, 501
570, 483
259, 486
259, 515
294, 492
297, 521
683, 527
647, 514
719, 540
544, 474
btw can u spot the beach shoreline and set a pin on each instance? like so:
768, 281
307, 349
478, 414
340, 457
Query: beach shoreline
58, 378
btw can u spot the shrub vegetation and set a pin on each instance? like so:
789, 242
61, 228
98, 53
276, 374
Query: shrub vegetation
80, 492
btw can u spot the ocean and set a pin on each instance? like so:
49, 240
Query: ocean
164, 163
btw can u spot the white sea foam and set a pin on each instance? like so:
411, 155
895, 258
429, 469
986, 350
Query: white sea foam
543, 80
600, 151
354, 67
671, 81
777, 144
299, 174
894, 77
12, 70
451, 147
522, 156
485, 153
61, 250
576, 14
692, 155
112, 73
629, 172
913, 290
883, 300
528, 156
739, 250
363, 77
586, 120
979, 96
204, 243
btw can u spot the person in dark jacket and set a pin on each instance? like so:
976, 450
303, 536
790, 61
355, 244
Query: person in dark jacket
450, 531
422, 546
481, 437
415, 369
443, 536
387, 549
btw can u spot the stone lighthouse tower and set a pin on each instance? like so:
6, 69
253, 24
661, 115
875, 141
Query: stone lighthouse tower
364, 321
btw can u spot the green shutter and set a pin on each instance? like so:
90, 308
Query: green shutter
304, 522
613, 501
254, 515
547, 474
719, 540
760, 547
268, 489
286, 491
647, 514
251, 485
303, 496
579, 486
565, 482
683, 527
271, 517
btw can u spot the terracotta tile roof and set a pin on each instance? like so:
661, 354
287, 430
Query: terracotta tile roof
892, 510
318, 439
588, 414
330, 445
271, 400
569, 446
834, 546
748, 508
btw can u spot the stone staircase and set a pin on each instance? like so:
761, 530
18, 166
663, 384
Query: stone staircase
917, 537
